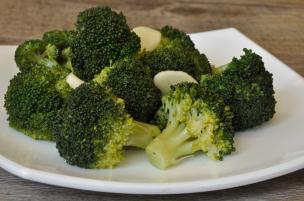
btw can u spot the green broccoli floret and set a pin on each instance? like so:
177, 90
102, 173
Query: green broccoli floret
196, 120
36, 52
103, 37
131, 80
176, 51
247, 87
170, 33
61, 39
32, 99
93, 128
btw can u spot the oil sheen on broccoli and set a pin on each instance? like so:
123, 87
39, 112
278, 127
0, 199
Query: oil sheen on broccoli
33, 99
247, 87
194, 119
103, 37
176, 51
131, 80
93, 128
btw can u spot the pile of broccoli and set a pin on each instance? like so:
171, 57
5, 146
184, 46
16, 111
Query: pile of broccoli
117, 104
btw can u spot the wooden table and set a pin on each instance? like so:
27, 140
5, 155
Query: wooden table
277, 25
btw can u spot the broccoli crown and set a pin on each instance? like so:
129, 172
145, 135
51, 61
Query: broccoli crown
103, 37
196, 120
131, 80
176, 52
93, 127
172, 33
31, 102
61, 39
247, 87
36, 52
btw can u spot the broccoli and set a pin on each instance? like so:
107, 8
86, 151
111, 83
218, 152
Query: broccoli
195, 119
36, 52
103, 37
170, 33
176, 51
32, 100
93, 128
62, 40
247, 87
130, 80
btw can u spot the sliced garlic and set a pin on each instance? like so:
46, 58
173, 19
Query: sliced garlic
73, 81
149, 38
165, 79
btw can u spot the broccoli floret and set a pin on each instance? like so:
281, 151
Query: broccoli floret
61, 39
196, 120
103, 37
32, 99
247, 87
130, 80
170, 33
176, 51
93, 128
36, 52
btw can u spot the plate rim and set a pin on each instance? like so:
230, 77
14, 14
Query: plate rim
155, 187
182, 187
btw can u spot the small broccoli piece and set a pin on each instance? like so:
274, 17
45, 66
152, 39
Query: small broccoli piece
61, 39
170, 33
130, 80
103, 37
176, 51
247, 87
196, 120
93, 128
36, 52
32, 100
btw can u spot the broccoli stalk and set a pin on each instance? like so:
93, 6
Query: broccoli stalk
142, 134
196, 120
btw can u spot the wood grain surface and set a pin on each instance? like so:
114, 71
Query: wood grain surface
277, 25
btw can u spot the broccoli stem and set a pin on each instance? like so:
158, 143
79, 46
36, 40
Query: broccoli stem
170, 146
142, 134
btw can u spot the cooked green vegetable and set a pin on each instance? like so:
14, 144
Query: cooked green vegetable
32, 99
176, 52
36, 52
103, 37
93, 128
61, 39
247, 87
194, 119
131, 80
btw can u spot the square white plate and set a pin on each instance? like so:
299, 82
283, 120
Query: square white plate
268, 151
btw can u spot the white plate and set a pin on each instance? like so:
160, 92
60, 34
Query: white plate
268, 151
